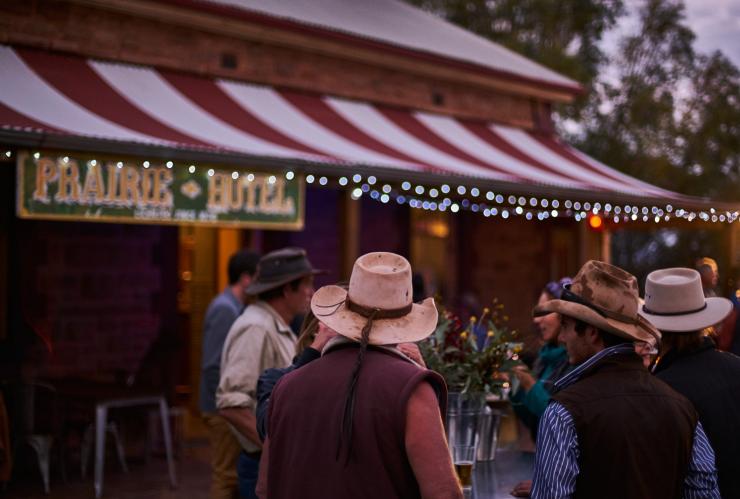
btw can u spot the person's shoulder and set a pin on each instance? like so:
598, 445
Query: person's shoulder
727, 360
253, 319
254, 314
222, 303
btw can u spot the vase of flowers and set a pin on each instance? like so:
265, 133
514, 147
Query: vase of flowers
470, 356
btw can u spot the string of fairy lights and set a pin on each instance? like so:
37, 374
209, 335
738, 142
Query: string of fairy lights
488, 203
492, 204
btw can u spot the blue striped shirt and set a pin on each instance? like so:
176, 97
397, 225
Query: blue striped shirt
556, 461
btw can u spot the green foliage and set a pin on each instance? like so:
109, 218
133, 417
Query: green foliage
563, 35
668, 116
656, 109
453, 351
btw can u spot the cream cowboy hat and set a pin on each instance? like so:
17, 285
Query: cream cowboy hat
605, 297
379, 293
674, 302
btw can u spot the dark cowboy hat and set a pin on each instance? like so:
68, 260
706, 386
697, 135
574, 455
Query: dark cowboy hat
280, 267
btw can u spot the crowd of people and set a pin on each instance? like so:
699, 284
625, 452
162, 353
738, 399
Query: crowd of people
627, 398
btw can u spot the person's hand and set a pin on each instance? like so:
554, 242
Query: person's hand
522, 489
526, 380
324, 334
411, 350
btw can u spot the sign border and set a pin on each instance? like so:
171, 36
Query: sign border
22, 211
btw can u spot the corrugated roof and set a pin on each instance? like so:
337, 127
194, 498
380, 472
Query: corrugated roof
399, 24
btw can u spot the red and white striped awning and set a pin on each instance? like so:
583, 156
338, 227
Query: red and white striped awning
50, 93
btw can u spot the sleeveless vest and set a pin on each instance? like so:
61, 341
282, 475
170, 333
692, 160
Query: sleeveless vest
305, 419
635, 434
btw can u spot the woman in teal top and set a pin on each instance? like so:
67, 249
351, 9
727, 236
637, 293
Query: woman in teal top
535, 387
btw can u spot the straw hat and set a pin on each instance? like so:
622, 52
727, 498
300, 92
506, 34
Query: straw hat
675, 302
380, 293
605, 297
280, 267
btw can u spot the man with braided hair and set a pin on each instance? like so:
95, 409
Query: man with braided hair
364, 420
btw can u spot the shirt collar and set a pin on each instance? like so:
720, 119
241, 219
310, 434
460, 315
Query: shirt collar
280, 324
233, 299
340, 340
576, 373
673, 355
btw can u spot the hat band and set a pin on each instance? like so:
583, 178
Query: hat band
378, 313
687, 312
570, 296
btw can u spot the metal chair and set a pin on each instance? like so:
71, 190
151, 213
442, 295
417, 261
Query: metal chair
40, 424
88, 440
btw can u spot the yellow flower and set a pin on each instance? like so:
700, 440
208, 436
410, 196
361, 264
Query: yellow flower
463, 335
486, 311
473, 319
490, 333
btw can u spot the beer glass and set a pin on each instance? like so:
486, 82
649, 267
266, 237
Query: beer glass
463, 456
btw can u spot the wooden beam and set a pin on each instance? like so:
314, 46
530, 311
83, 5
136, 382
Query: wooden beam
350, 233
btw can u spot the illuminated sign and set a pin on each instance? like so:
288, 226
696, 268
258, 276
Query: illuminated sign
75, 186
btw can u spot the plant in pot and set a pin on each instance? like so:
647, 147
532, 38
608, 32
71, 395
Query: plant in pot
470, 356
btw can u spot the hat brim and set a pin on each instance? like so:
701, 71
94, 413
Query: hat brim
256, 287
328, 305
716, 310
643, 331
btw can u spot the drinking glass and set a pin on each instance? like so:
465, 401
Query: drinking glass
463, 456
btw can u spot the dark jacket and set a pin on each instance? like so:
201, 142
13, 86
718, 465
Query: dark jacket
305, 420
635, 434
268, 379
710, 379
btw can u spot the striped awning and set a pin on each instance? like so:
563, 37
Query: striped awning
70, 96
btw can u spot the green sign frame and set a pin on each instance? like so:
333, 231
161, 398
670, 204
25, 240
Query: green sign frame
89, 188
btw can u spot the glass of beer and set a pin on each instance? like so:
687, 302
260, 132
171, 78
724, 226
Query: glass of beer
463, 456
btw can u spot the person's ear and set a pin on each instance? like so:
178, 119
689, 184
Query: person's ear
245, 279
592, 334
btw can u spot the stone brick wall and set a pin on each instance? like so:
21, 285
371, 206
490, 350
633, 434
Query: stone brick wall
105, 34
101, 292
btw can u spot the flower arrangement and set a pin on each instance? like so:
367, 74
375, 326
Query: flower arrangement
471, 356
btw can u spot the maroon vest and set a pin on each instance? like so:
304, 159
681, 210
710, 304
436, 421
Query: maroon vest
635, 433
306, 410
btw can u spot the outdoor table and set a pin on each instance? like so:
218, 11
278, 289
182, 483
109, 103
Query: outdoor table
495, 479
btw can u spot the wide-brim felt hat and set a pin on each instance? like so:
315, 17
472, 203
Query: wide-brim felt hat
380, 286
280, 267
675, 302
605, 297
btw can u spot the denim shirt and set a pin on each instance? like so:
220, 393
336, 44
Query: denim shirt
221, 314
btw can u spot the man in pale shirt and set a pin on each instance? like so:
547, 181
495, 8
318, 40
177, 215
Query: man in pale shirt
261, 339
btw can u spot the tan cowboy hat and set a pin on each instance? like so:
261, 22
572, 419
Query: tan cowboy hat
379, 289
605, 297
674, 302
